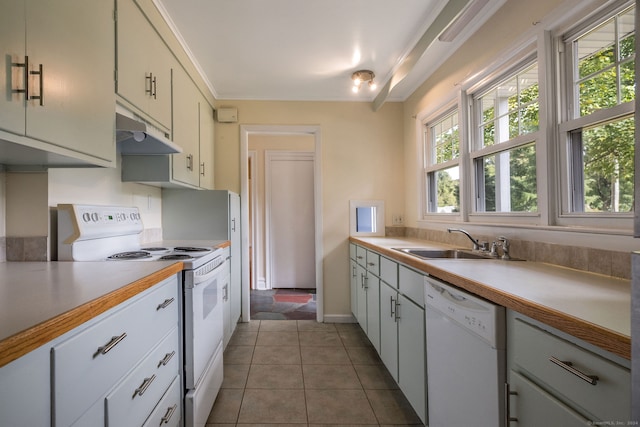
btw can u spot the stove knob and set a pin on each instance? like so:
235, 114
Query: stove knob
86, 217
94, 217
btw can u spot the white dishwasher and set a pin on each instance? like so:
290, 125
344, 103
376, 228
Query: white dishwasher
465, 358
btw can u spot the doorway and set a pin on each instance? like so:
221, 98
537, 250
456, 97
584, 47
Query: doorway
247, 133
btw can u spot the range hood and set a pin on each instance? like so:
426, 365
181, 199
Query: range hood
133, 138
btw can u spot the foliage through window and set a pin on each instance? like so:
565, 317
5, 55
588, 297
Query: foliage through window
443, 170
601, 140
508, 114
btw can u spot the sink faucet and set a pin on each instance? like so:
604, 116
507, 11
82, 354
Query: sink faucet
505, 247
476, 244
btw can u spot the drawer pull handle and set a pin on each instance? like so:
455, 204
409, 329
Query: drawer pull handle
168, 415
165, 304
591, 379
115, 340
371, 264
166, 359
144, 386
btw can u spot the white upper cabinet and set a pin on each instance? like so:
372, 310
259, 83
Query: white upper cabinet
186, 117
57, 81
144, 66
206, 144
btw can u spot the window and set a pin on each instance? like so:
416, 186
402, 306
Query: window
504, 143
599, 126
442, 164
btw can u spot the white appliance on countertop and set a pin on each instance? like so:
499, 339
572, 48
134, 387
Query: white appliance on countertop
111, 233
466, 366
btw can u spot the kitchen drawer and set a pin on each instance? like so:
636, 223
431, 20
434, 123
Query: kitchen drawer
361, 256
134, 398
412, 285
609, 399
373, 263
82, 373
168, 411
389, 271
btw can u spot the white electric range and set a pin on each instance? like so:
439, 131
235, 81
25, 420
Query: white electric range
112, 234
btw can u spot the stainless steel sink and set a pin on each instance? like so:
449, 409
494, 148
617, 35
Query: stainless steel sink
443, 253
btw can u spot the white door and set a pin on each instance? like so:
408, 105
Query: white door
290, 219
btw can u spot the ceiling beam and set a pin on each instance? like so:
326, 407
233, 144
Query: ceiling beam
450, 12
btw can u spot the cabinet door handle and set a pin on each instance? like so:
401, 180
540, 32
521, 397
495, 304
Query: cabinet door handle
167, 357
165, 303
152, 85
168, 415
144, 386
25, 77
568, 366
507, 411
392, 306
233, 226
202, 168
40, 74
353, 271
397, 311
190, 162
115, 340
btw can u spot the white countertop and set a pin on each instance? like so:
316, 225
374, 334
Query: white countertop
593, 307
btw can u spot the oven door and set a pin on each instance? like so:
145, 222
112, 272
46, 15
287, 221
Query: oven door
203, 315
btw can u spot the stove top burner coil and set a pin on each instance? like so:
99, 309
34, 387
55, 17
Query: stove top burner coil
190, 249
131, 255
176, 257
156, 249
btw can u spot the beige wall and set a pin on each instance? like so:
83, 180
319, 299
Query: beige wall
361, 159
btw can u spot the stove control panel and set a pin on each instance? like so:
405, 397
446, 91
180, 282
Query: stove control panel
83, 222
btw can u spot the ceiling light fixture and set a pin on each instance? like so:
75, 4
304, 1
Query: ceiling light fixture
363, 76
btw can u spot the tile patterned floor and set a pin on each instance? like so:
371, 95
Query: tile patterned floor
283, 304
304, 373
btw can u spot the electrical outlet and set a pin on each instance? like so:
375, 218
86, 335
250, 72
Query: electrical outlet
397, 219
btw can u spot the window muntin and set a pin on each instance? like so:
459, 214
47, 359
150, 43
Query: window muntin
510, 109
599, 130
442, 138
603, 66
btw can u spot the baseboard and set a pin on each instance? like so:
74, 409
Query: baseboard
338, 318
262, 284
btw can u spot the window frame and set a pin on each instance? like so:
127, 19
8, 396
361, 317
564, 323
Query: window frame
430, 167
570, 123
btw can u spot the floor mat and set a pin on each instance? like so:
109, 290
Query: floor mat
283, 304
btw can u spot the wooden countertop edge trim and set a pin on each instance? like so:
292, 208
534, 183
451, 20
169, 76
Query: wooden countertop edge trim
28, 340
606, 339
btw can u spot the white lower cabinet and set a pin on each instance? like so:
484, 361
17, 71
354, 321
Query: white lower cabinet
385, 307
114, 369
555, 379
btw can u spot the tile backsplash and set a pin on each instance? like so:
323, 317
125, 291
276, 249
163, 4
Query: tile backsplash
610, 263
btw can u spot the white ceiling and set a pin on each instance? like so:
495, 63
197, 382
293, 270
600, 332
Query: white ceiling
308, 49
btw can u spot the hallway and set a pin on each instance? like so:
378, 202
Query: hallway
303, 373
283, 304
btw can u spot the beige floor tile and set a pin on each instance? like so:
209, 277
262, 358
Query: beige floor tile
312, 325
238, 354
277, 338
235, 376
243, 338
330, 377
276, 355
363, 355
278, 325
227, 406
375, 377
269, 406
355, 338
339, 407
252, 325
273, 425
391, 407
275, 377
319, 338
347, 326
324, 355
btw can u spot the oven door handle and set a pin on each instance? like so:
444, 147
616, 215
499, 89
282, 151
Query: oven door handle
206, 277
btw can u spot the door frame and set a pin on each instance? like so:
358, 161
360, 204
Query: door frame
245, 132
